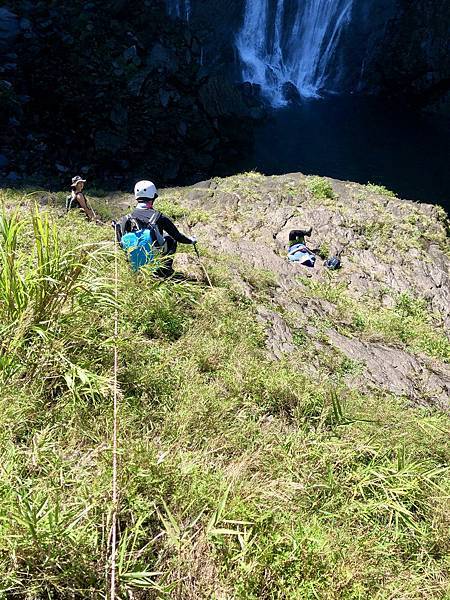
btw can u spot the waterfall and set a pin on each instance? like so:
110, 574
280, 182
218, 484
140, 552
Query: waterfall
179, 8
291, 41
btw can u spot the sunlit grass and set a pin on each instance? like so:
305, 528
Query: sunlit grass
240, 477
381, 190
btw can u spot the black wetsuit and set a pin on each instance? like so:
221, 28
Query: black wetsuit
163, 223
144, 216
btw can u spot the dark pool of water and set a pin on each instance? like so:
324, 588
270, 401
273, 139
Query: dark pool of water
359, 140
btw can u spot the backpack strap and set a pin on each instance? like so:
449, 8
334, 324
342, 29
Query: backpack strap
147, 218
71, 201
126, 225
154, 218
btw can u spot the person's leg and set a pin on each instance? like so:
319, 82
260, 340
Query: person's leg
297, 236
170, 247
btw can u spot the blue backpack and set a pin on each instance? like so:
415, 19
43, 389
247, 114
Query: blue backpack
140, 237
333, 263
139, 247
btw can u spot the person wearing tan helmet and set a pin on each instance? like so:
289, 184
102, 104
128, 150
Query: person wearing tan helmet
77, 199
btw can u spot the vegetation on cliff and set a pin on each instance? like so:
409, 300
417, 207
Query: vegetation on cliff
259, 457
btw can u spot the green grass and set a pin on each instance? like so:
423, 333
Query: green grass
320, 188
381, 190
386, 236
245, 185
239, 477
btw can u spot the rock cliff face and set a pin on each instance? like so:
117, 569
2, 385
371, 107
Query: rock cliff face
94, 92
397, 49
413, 59
117, 88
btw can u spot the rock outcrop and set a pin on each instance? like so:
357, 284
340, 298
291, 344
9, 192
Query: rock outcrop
9, 29
382, 321
112, 89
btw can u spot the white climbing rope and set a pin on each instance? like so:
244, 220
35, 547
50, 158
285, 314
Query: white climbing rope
115, 428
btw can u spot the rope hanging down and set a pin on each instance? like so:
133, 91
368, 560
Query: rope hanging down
113, 537
115, 418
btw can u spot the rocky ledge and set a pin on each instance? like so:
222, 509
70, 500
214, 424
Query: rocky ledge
379, 323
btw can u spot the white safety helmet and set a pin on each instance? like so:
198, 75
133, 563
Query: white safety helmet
145, 189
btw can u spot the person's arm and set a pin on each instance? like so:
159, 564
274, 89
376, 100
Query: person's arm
167, 225
84, 205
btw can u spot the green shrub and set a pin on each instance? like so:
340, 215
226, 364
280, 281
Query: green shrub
381, 190
320, 188
171, 208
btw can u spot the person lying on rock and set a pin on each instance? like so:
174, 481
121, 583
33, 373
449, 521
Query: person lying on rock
77, 199
298, 251
161, 234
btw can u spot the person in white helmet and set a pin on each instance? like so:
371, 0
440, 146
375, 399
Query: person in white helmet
145, 216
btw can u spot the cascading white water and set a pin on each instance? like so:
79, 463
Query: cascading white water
179, 8
291, 41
